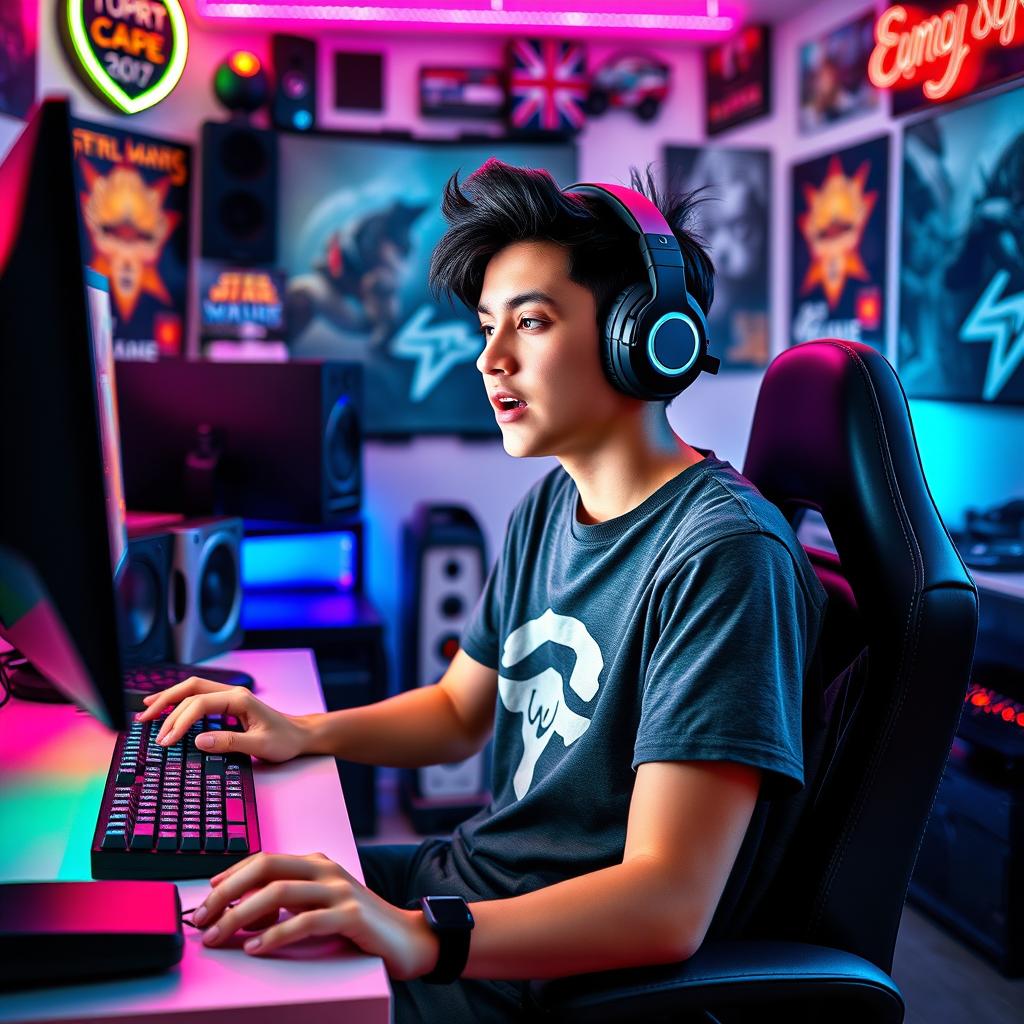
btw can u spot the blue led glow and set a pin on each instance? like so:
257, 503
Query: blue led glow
303, 561
303, 120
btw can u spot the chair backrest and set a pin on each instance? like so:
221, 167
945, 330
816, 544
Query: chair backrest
832, 432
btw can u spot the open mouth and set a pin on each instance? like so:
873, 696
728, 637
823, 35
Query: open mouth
510, 403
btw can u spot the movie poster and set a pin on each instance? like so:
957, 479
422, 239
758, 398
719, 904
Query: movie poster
241, 313
733, 219
357, 226
838, 248
17, 57
961, 319
737, 79
134, 203
834, 82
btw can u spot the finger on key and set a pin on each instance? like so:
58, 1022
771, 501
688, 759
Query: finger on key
185, 713
156, 702
193, 708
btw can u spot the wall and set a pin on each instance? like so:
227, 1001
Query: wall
960, 444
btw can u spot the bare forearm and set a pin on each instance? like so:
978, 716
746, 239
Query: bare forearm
414, 728
622, 916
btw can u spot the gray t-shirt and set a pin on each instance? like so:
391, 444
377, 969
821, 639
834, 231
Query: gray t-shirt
679, 631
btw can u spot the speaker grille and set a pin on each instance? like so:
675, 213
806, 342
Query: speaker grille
217, 588
140, 594
243, 155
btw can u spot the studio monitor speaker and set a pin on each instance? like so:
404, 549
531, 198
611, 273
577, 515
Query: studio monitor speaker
206, 588
285, 438
443, 571
239, 202
293, 107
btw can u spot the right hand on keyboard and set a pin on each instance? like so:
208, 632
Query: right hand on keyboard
268, 734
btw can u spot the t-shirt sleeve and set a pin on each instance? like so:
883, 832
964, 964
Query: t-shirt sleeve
725, 677
480, 634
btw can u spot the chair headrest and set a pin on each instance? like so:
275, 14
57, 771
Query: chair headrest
832, 431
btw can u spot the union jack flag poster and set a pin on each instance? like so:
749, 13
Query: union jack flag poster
547, 86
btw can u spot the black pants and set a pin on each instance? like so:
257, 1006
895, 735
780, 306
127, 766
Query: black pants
401, 873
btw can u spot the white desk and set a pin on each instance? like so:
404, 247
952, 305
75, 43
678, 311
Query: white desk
53, 763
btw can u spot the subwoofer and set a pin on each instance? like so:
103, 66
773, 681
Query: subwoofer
443, 570
239, 202
144, 594
206, 588
277, 441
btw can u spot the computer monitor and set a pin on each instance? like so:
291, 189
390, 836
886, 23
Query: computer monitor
62, 534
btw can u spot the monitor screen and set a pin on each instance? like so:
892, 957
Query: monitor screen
97, 289
62, 538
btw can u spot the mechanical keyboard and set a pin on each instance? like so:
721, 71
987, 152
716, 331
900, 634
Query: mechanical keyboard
142, 680
177, 811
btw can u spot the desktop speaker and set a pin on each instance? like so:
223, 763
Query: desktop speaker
274, 441
443, 570
206, 588
239, 203
293, 107
144, 592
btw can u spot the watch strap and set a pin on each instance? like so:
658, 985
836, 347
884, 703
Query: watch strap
452, 954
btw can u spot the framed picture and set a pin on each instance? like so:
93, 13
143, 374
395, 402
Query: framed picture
462, 92
548, 87
839, 245
18, 44
733, 217
241, 313
737, 79
134, 202
358, 223
961, 318
834, 85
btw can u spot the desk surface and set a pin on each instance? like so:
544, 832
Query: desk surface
53, 763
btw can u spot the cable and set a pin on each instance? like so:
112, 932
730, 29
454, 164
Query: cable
5, 680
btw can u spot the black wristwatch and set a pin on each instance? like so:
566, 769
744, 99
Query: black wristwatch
450, 918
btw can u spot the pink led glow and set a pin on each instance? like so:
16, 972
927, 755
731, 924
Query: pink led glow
634, 17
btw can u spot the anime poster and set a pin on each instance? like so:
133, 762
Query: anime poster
357, 226
17, 57
961, 319
733, 219
737, 79
134, 202
834, 82
839, 250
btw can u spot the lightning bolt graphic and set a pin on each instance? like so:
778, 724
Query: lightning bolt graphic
1000, 322
436, 348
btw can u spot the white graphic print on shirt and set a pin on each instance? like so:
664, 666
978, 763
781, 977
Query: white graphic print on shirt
539, 699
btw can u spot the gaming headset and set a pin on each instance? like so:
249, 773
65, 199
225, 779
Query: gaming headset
654, 341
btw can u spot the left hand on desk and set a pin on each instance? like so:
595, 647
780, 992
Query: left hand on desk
325, 900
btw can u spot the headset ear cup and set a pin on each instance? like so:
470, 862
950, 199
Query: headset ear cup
615, 352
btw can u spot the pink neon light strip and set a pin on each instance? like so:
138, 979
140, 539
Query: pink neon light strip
491, 14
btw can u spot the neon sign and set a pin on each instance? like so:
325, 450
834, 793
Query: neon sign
933, 50
130, 53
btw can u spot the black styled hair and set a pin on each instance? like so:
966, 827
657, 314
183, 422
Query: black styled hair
498, 205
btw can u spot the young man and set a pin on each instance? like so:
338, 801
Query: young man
638, 655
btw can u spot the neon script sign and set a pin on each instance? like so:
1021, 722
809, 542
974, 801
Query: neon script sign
941, 52
131, 53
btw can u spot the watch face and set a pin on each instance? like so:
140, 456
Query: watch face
448, 912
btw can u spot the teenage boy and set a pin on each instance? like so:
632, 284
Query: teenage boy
637, 654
